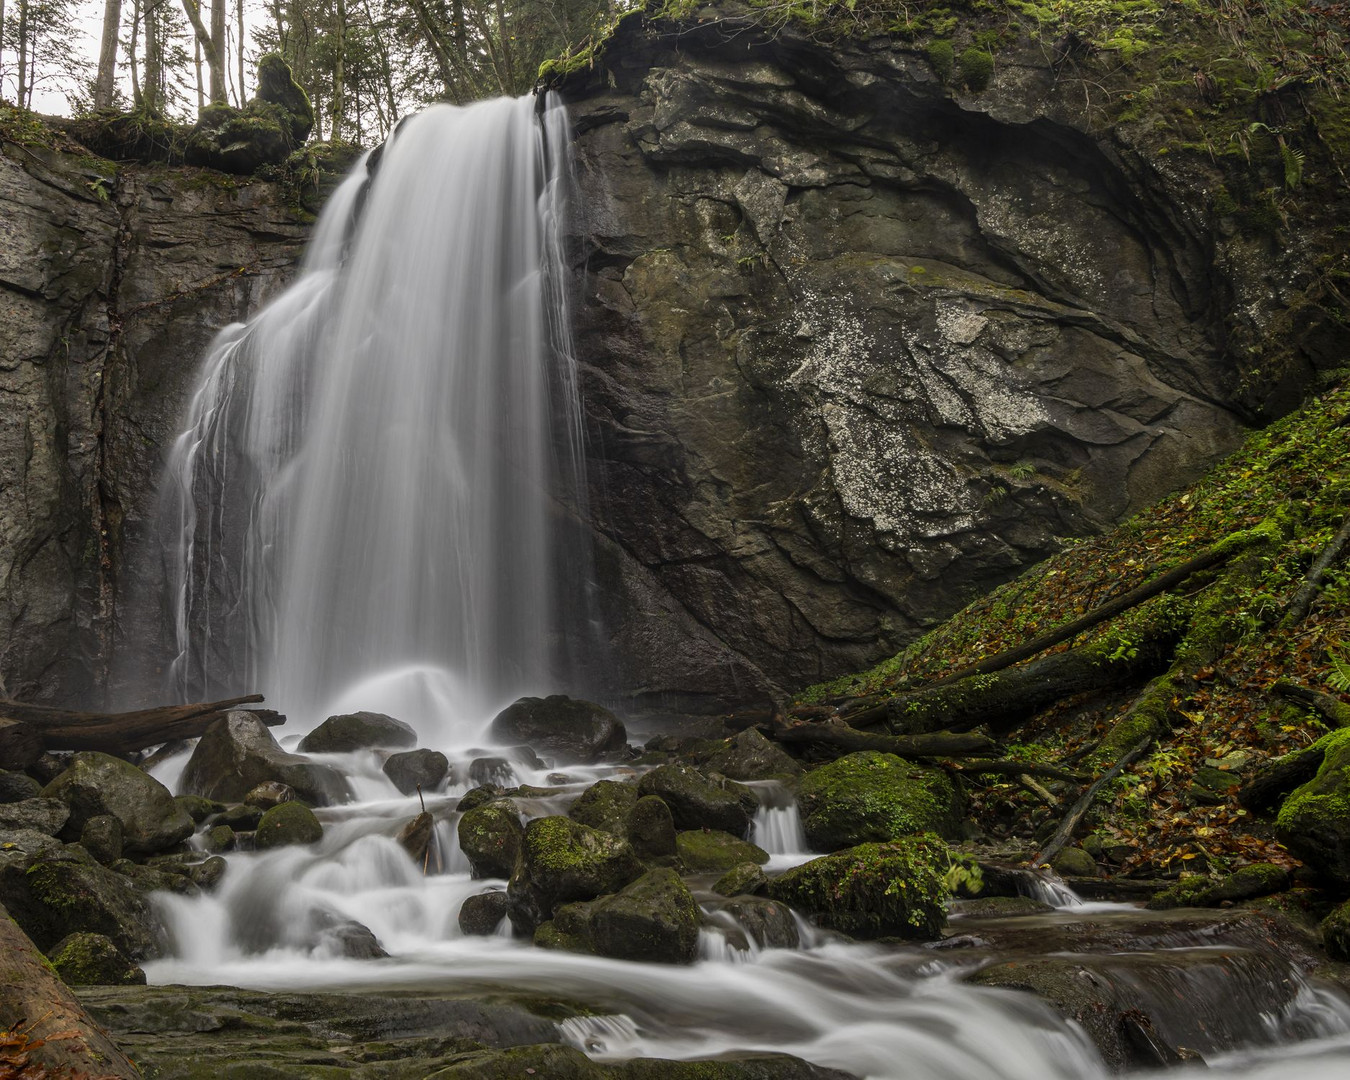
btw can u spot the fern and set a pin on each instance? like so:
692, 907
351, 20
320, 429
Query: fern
1293, 164
1339, 677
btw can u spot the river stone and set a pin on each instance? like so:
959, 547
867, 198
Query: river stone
207, 875
871, 797
197, 808
238, 752
482, 913
606, 805
568, 729
479, 796
42, 815
17, 786
491, 771
699, 802
268, 794
96, 784
562, 861
102, 838
85, 959
287, 823
654, 919
241, 817
1075, 862
53, 896
346, 732
769, 922
749, 1067
490, 838
351, 939
1314, 822
651, 828
417, 768
1199, 890
743, 880
707, 851
751, 756
220, 838
873, 890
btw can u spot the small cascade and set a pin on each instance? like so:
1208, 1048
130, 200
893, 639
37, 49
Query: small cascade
777, 826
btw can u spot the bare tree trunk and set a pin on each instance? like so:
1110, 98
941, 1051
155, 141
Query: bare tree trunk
219, 92
25, 91
137, 98
339, 73
152, 94
197, 64
106, 80
239, 48
215, 57
2, 51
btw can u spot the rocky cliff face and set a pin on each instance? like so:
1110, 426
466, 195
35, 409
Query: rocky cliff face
859, 345
112, 282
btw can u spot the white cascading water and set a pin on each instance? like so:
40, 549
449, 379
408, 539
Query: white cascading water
362, 510
363, 505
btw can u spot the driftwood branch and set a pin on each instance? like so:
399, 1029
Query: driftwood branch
1075, 816
1018, 769
1331, 709
62, 1039
1312, 584
118, 733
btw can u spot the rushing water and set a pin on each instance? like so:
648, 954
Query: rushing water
362, 508
363, 514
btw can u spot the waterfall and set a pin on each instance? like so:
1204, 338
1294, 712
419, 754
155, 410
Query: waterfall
367, 506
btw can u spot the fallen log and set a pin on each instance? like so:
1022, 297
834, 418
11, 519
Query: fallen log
123, 733
1269, 788
838, 736
44, 1030
1312, 584
1016, 768
1331, 709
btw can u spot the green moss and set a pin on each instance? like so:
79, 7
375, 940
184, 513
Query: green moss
942, 57
1200, 890
870, 796
712, 852
976, 67
898, 889
85, 959
288, 823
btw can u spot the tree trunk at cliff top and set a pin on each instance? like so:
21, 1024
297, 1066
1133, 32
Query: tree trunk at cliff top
119, 733
44, 1030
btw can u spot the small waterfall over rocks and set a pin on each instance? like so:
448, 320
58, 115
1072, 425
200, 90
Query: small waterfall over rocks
366, 507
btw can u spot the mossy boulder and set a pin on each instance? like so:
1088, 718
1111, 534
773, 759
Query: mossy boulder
17, 786
479, 796
1314, 822
707, 851
898, 889
238, 752
277, 86
102, 838
285, 824
567, 729
47, 816
655, 919
1075, 862
651, 828
85, 959
346, 732
482, 913
562, 861
768, 922
871, 797
606, 805
490, 836
412, 769
1247, 883
239, 141
1336, 933
746, 879
697, 801
95, 784
197, 808
750, 756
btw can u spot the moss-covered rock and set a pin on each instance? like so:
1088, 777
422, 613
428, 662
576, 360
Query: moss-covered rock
197, 808
548, 1060
1314, 822
897, 889
220, 838
745, 879
1075, 862
567, 729
276, 86
95, 784
750, 756
17, 786
346, 732
482, 913
651, 828
606, 805
287, 823
697, 801
768, 922
1336, 933
655, 919
706, 851
1198, 890
412, 769
85, 959
238, 752
562, 861
102, 838
490, 837
479, 796
871, 797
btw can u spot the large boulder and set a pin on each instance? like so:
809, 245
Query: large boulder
769, 923
707, 851
64, 892
97, 784
412, 769
277, 86
17, 786
751, 756
701, 802
651, 828
655, 919
873, 890
357, 731
563, 861
482, 913
85, 959
47, 816
617, 808
568, 729
1314, 822
490, 837
238, 752
872, 798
